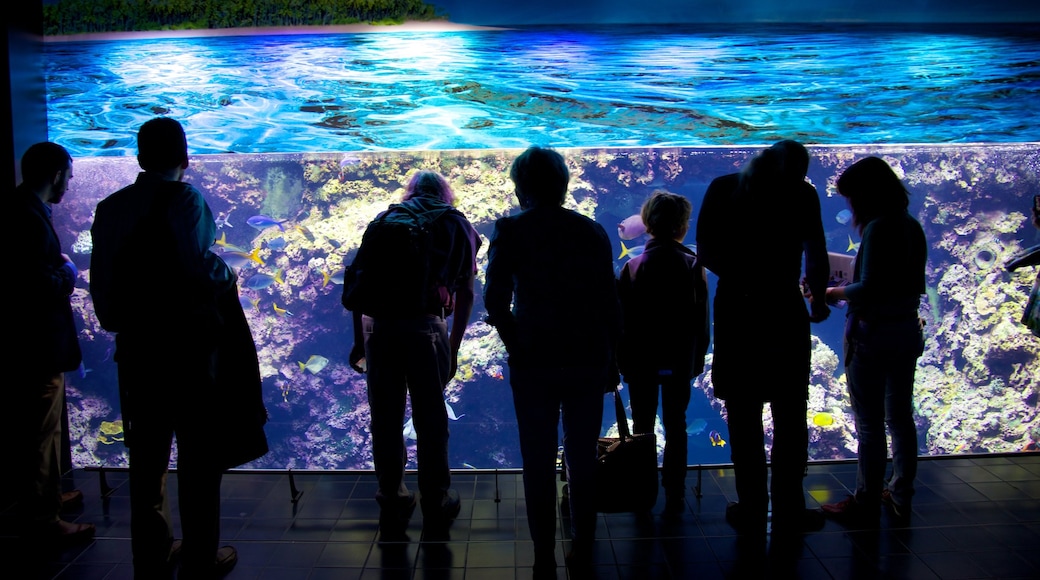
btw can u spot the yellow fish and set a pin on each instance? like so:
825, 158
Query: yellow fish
716, 439
823, 419
223, 243
281, 311
853, 246
630, 252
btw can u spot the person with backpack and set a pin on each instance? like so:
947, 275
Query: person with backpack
664, 298
416, 268
187, 370
551, 294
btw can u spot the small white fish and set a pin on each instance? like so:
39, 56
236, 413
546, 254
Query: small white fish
409, 430
451, 412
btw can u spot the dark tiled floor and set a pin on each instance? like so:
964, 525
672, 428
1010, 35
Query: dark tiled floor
974, 517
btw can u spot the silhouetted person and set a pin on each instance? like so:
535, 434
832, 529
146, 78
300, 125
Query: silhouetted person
44, 347
883, 339
753, 229
550, 292
664, 298
187, 363
410, 353
1030, 257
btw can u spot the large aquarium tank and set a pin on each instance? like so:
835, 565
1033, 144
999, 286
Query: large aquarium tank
314, 134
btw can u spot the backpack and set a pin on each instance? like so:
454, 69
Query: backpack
391, 275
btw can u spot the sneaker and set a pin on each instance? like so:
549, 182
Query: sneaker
853, 512
900, 512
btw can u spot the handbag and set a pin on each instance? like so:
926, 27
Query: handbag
626, 468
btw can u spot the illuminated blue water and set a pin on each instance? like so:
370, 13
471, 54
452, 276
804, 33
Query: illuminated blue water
638, 108
612, 86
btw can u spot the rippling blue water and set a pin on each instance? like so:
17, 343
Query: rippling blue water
612, 86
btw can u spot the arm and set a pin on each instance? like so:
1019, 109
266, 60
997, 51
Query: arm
704, 327
817, 265
709, 228
1027, 257
464, 298
196, 231
499, 286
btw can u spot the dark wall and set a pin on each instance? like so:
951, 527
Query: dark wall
24, 92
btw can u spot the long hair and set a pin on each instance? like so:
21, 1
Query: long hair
426, 183
872, 190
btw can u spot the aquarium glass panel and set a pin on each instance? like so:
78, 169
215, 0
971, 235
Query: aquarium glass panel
318, 133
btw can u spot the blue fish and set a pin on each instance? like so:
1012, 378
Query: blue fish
249, 303
276, 243
844, 216
630, 252
696, 427
242, 259
335, 277
261, 281
262, 222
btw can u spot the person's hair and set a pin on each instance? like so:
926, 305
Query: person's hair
666, 215
781, 165
426, 183
42, 161
161, 144
873, 190
541, 176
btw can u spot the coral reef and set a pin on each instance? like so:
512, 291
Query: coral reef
976, 387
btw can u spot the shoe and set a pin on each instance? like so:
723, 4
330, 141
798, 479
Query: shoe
900, 512
579, 560
674, 505
227, 557
71, 499
451, 506
544, 565
394, 514
853, 513
745, 521
437, 518
808, 520
445, 511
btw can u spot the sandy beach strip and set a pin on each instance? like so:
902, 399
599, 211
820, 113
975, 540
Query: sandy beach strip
412, 26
